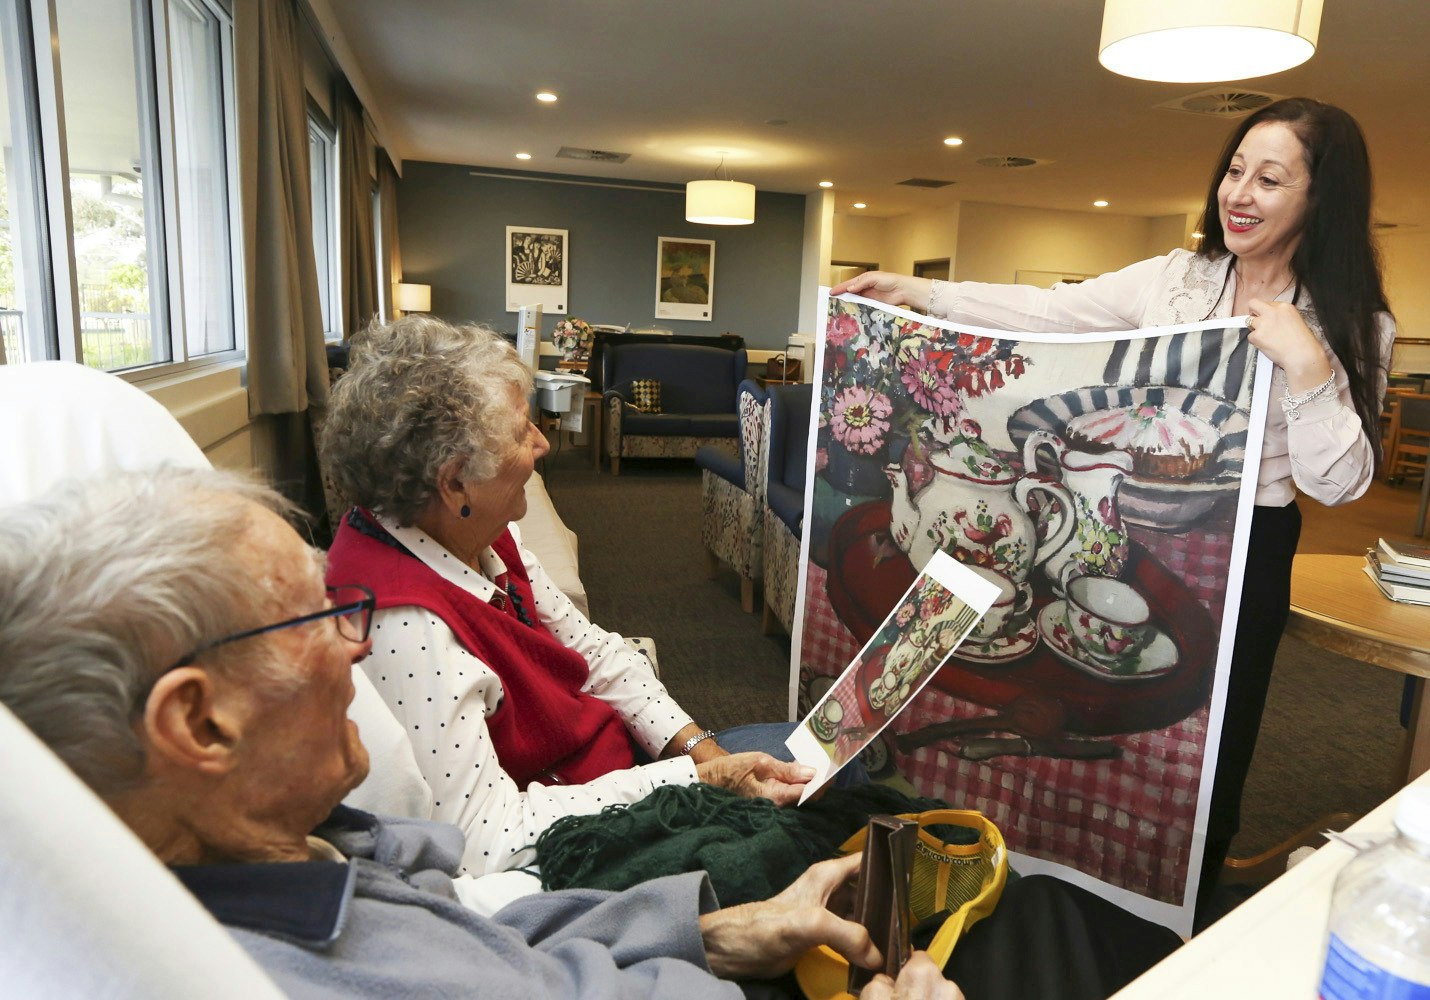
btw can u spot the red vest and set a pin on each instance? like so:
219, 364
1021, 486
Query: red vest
545, 723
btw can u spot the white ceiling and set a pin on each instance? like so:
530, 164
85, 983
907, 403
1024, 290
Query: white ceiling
867, 91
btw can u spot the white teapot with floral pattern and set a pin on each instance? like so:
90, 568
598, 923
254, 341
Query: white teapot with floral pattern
976, 508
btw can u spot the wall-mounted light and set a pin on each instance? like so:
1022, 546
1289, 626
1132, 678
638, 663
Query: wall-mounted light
1207, 41
412, 298
720, 202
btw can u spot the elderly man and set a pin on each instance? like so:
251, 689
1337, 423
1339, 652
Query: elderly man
169, 636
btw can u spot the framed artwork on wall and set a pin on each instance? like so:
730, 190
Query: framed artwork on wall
538, 272
684, 278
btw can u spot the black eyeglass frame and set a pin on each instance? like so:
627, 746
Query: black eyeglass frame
367, 605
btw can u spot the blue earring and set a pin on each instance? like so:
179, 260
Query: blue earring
465, 511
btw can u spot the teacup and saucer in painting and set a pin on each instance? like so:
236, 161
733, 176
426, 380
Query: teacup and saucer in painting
1158, 657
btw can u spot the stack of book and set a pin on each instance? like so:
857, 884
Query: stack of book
1401, 571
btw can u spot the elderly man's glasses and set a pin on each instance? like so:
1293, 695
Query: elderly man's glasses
352, 606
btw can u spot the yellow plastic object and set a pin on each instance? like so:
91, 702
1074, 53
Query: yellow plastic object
964, 881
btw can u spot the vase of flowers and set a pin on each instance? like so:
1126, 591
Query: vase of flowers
572, 337
892, 386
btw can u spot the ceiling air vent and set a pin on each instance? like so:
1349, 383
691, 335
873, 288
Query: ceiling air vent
924, 182
597, 155
1221, 102
1009, 162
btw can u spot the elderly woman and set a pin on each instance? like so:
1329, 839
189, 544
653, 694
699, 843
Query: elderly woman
520, 710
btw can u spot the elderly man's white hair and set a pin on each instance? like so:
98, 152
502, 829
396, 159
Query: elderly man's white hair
104, 583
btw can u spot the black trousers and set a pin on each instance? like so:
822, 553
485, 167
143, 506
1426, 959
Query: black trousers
1265, 606
1049, 940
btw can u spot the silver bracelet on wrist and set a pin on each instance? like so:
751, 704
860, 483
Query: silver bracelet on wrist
1292, 404
691, 743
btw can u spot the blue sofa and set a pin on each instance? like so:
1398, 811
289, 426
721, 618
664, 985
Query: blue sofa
698, 388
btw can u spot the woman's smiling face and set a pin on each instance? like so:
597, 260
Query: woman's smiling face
1263, 195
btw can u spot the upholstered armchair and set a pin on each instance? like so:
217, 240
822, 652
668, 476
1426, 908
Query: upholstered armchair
686, 394
785, 458
732, 497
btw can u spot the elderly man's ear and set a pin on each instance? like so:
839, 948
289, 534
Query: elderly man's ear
194, 723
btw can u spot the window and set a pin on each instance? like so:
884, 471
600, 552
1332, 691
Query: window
136, 149
26, 323
323, 165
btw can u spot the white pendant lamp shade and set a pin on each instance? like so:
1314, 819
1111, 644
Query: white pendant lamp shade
413, 298
1207, 41
720, 203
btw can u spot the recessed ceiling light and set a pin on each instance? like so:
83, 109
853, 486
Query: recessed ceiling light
1099, 204
546, 97
826, 184
953, 140
860, 204
523, 156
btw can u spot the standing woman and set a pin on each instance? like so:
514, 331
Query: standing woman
1288, 244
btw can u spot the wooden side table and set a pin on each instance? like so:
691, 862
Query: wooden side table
591, 420
1334, 605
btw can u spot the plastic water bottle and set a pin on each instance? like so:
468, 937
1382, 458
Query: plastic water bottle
1379, 946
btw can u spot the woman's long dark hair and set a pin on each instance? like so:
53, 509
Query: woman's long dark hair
1337, 261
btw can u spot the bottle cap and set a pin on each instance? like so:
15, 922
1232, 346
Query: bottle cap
1412, 813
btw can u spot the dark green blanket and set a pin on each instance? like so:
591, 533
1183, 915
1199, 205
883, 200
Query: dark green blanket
750, 848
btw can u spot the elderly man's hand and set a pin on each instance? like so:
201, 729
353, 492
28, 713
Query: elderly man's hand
762, 940
920, 979
756, 775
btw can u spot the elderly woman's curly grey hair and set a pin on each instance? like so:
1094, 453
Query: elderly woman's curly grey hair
106, 582
419, 393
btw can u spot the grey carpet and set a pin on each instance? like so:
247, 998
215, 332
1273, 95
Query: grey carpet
1329, 741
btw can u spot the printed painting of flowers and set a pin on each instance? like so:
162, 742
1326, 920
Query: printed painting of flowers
861, 419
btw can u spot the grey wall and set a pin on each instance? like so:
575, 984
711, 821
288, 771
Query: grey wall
452, 227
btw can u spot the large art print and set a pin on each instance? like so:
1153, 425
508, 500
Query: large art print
684, 278
1103, 484
538, 271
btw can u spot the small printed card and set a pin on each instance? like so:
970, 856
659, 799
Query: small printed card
935, 614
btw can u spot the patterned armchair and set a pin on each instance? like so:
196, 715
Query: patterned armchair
785, 457
732, 497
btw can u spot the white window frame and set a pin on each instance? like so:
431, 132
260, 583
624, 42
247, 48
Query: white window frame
156, 125
330, 276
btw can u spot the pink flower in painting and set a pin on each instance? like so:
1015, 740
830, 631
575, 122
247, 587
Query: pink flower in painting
930, 385
842, 329
905, 615
934, 605
861, 419
821, 459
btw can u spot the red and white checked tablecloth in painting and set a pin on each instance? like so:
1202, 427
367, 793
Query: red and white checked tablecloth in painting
1127, 821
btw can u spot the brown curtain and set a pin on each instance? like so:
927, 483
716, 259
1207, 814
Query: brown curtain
287, 360
287, 364
358, 257
390, 253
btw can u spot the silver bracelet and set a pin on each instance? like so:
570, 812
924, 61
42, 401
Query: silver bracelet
691, 743
1292, 404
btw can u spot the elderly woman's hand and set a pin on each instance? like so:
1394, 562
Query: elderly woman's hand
765, 939
756, 775
1279, 332
894, 289
919, 979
